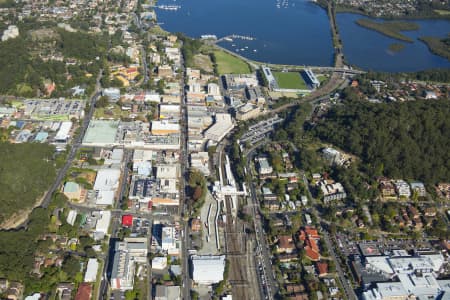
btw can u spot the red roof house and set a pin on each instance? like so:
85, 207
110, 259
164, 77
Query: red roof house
84, 292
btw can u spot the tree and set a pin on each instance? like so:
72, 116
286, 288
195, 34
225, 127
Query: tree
102, 102
71, 266
197, 193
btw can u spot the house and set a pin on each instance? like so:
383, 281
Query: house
287, 257
272, 205
268, 194
402, 188
443, 190
387, 189
285, 244
309, 236
84, 292
322, 268
14, 291
430, 212
64, 290
418, 188
292, 288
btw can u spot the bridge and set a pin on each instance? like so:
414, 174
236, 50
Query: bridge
292, 68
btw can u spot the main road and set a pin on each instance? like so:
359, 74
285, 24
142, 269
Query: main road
184, 173
348, 290
76, 144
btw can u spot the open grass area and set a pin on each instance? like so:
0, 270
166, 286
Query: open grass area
322, 78
391, 29
114, 112
290, 80
229, 64
442, 12
203, 62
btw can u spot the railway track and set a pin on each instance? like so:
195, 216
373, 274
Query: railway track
236, 247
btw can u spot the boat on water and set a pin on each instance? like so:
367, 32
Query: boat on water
227, 39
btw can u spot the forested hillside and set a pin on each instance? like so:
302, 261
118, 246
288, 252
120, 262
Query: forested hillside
401, 140
26, 172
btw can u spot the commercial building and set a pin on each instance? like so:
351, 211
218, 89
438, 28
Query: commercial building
272, 82
102, 226
91, 270
159, 263
167, 171
165, 128
169, 242
164, 292
127, 254
200, 161
241, 81
222, 126
73, 191
113, 94
122, 273
137, 248
264, 168
127, 220
310, 78
213, 89
247, 111
101, 133
105, 186
415, 276
63, 134
207, 269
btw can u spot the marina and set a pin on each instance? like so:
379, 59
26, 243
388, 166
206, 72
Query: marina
169, 7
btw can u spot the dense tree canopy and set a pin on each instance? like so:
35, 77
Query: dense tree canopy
26, 171
402, 140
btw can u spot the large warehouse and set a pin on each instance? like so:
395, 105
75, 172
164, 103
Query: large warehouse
207, 269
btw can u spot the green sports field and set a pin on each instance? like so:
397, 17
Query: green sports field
229, 64
290, 80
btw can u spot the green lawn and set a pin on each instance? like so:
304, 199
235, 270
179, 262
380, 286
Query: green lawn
229, 64
290, 80
442, 12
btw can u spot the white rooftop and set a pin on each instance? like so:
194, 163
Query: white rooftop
208, 269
